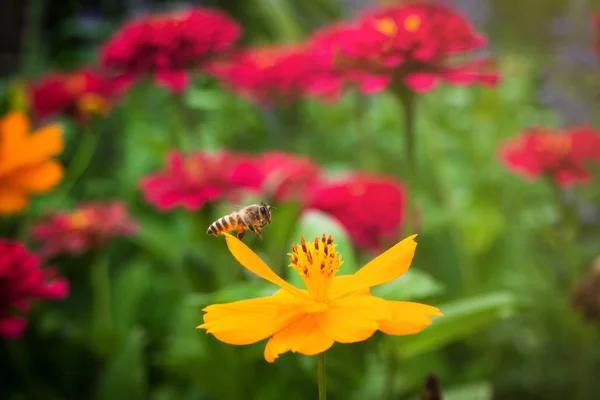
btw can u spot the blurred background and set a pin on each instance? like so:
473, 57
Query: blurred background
150, 161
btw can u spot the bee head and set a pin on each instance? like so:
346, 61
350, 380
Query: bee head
265, 212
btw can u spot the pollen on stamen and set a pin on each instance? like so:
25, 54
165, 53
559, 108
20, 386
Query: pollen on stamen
317, 243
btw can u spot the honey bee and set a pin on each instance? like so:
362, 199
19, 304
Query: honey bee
252, 218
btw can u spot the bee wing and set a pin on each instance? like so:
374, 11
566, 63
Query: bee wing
236, 207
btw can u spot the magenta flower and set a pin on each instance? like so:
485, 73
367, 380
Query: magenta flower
370, 207
415, 45
286, 176
563, 156
168, 45
88, 227
190, 181
22, 280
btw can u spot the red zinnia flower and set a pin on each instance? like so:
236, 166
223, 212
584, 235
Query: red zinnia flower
81, 94
560, 155
412, 44
88, 227
270, 74
370, 207
166, 45
21, 281
195, 179
286, 176
330, 76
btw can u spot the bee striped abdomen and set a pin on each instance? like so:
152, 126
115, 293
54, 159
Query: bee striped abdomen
226, 224
219, 226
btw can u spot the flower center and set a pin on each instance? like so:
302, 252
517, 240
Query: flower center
316, 262
76, 84
412, 23
557, 144
193, 168
78, 220
92, 104
387, 26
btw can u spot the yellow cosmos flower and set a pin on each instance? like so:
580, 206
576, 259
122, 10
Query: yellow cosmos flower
331, 309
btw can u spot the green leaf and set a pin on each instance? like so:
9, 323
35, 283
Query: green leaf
413, 285
184, 344
279, 237
125, 376
471, 391
280, 15
203, 99
478, 236
130, 287
164, 243
462, 318
233, 292
313, 224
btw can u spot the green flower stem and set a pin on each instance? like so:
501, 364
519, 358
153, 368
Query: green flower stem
469, 275
179, 128
365, 138
407, 99
321, 371
570, 228
83, 155
101, 312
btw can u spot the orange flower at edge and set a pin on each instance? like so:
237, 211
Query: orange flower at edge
25, 164
331, 309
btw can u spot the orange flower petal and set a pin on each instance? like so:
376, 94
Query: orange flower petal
353, 319
383, 268
11, 201
44, 143
253, 263
408, 318
13, 128
34, 149
36, 179
302, 336
246, 321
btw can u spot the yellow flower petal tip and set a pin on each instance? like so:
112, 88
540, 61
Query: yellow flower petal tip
331, 309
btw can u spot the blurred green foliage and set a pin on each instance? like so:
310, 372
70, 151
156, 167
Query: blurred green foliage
490, 254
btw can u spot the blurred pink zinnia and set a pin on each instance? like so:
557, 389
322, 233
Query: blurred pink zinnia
195, 179
270, 74
88, 227
370, 207
286, 176
80, 94
413, 44
562, 156
167, 45
331, 74
21, 281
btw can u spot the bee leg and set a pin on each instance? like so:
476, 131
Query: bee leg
240, 233
258, 232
